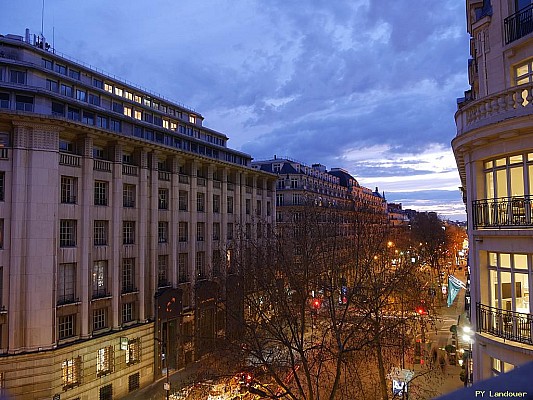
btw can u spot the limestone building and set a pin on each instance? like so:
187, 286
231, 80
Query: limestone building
116, 208
494, 153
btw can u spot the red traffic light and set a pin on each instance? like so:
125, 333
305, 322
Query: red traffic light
316, 303
421, 310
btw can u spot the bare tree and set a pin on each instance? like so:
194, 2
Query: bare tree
322, 296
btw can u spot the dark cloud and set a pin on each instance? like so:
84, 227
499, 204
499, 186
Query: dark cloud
313, 82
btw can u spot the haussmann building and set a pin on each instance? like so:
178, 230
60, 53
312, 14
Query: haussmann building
494, 153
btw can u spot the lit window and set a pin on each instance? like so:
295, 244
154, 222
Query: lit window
166, 124
104, 360
71, 372
138, 115
128, 95
192, 119
137, 98
133, 353
118, 91
127, 111
99, 279
108, 87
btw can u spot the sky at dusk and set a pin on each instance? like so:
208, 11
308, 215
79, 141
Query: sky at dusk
365, 85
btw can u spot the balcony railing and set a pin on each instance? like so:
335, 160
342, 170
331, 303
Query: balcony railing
503, 212
69, 159
129, 170
511, 103
519, 24
163, 175
102, 165
505, 324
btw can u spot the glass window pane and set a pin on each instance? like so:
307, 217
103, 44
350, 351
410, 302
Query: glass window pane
520, 261
505, 260
490, 185
517, 181
501, 183
494, 288
493, 259
522, 293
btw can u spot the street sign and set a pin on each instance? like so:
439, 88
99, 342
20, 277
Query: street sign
399, 374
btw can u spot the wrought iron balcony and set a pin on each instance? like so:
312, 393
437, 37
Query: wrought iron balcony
513, 211
519, 24
505, 324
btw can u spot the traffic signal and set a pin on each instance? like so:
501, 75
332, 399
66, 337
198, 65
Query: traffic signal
316, 303
421, 310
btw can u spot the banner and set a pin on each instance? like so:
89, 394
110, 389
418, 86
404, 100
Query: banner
454, 285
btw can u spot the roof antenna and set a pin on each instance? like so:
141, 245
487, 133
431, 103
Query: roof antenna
42, 21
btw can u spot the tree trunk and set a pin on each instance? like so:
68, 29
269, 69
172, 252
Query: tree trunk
381, 371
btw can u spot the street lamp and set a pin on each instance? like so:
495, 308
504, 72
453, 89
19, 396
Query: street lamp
468, 337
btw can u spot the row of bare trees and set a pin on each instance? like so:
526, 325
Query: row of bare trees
330, 303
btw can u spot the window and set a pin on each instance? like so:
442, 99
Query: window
48, 64
128, 232
67, 233
106, 392
162, 271
134, 382
248, 206
81, 95
98, 83
147, 117
216, 231
73, 113
118, 91
74, 74
230, 231
163, 199
61, 69
98, 153
248, 231
104, 362
100, 279
115, 126
162, 232
23, 103
183, 231
1, 245
99, 319
66, 90
200, 202
127, 111
102, 122
4, 100
230, 205
183, 200
258, 208
269, 209
200, 265
279, 199
127, 158
118, 108
128, 312
128, 95
100, 193
94, 99
216, 203
128, 195
128, 275
17, 77
200, 231
133, 354
183, 268
523, 75
71, 373
88, 118
66, 326
108, 87
52, 85
66, 283
137, 98
68, 190
137, 115
100, 233
66, 146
